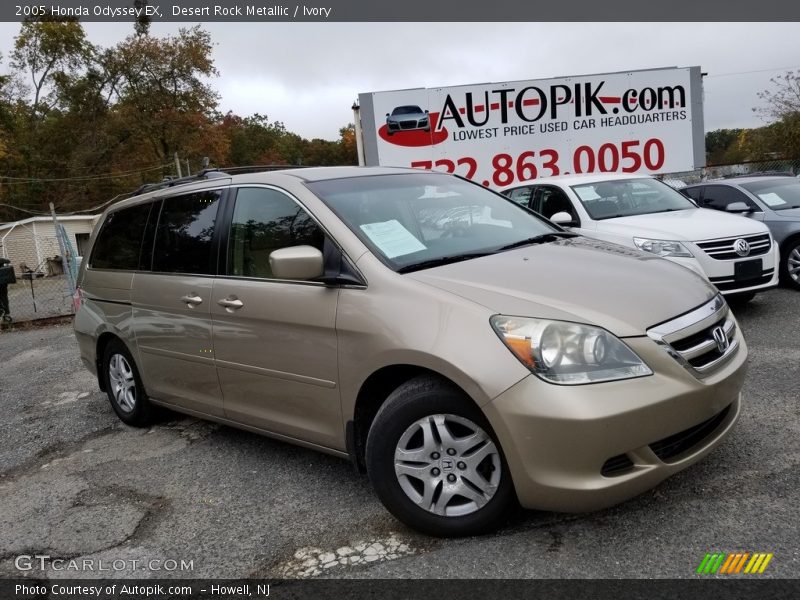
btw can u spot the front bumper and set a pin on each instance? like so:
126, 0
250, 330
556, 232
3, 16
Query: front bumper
557, 439
721, 272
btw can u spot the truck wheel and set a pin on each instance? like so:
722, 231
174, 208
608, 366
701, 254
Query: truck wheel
124, 386
435, 463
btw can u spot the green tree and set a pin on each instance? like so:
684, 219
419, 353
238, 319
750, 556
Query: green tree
781, 105
161, 98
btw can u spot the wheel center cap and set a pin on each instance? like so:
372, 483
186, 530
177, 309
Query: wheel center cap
447, 464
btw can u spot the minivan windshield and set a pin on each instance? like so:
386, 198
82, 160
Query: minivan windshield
418, 220
629, 197
779, 193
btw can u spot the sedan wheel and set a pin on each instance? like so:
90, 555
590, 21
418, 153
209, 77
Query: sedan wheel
792, 268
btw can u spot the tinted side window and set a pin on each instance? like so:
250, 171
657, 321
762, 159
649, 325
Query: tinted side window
693, 193
521, 195
120, 240
184, 234
719, 196
265, 220
553, 200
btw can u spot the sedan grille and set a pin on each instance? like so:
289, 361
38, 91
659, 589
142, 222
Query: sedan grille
724, 249
702, 340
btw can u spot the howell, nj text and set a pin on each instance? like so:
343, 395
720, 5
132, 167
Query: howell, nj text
533, 103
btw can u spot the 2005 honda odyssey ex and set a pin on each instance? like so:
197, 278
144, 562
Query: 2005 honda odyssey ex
460, 348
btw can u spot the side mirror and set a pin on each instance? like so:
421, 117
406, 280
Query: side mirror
737, 207
563, 218
426, 112
296, 262
387, 114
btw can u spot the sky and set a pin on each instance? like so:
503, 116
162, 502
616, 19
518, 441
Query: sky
307, 75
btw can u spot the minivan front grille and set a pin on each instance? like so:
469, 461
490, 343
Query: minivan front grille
702, 340
724, 249
684, 441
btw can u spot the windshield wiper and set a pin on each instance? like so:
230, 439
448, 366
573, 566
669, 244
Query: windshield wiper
665, 210
539, 239
438, 262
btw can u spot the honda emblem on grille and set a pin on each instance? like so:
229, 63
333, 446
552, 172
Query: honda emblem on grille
721, 338
741, 247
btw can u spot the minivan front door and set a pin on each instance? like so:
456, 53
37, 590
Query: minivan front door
275, 340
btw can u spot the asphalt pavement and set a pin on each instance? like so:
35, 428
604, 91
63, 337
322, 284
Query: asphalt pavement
187, 498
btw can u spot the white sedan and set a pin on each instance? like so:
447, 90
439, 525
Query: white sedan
736, 254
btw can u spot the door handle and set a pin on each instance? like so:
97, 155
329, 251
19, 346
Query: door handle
231, 303
192, 300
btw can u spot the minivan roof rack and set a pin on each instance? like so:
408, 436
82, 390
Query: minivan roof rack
209, 174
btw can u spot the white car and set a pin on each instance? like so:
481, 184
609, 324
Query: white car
737, 255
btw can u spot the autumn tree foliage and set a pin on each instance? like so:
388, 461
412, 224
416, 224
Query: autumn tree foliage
80, 124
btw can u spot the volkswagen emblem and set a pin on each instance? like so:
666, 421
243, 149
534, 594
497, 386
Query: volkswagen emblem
721, 338
741, 247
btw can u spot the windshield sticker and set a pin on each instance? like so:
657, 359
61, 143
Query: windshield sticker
586, 193
772, 199
392, 238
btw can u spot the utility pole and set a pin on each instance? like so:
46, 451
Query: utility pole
178, 166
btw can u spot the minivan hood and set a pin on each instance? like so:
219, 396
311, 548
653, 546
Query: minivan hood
576, 279
691, 225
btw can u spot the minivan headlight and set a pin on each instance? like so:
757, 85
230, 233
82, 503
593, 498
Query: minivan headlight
665, 248
568, 353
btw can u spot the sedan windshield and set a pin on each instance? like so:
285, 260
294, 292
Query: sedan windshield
629, 197
778, 194
419, 220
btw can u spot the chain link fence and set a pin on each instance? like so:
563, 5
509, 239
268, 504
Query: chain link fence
36, 295
767, 167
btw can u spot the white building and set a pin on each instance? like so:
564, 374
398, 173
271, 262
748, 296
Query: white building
32, 241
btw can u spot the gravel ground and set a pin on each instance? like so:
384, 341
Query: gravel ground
76, 483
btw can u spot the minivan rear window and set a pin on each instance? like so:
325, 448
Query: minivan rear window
120, 239
185, 233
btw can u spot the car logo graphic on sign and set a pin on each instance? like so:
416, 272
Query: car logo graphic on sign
741, 247
720, 338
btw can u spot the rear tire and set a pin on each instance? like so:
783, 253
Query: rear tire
435, 462
124, 386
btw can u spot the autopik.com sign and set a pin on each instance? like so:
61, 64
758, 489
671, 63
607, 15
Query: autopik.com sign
502, 133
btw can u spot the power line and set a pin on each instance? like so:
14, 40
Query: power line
22, 180
749, 72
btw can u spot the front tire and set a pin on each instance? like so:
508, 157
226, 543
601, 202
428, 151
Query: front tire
435, 463
124, 386
790, 264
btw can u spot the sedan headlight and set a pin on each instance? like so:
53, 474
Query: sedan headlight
665, 248
568, 353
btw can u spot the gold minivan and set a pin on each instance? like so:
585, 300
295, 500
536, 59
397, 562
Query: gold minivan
462, 350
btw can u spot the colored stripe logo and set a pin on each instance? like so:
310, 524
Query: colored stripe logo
735, 563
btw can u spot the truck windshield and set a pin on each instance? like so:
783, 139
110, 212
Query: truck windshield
628, 197
419, 220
